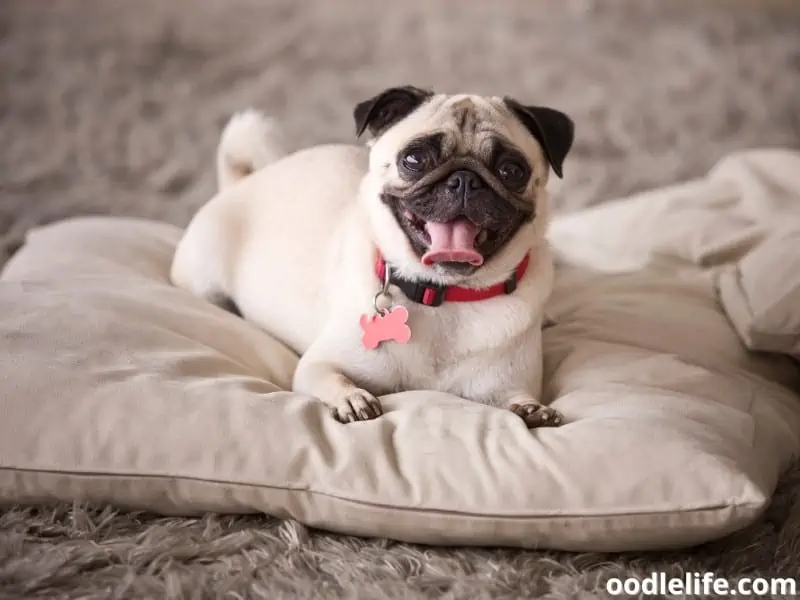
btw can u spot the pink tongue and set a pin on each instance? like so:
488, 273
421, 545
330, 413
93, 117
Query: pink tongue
452, 242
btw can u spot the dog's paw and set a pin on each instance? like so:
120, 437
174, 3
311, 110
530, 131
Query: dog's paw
536, 415
356, 405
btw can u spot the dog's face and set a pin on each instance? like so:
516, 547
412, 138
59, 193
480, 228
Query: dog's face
456, 184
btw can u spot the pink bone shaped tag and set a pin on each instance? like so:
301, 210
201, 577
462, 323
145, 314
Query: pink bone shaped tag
391, 326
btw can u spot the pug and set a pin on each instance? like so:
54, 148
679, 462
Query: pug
417, 260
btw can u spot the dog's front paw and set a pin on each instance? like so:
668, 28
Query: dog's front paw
536, 415
356, 405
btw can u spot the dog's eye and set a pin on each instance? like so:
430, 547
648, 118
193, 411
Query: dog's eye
417, 160
511, 171
413, 160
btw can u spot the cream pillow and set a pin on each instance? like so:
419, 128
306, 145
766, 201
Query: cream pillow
761, 294
118, 388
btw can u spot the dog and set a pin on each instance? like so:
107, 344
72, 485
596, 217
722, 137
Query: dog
417, 260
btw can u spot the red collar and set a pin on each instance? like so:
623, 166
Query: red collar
432, 294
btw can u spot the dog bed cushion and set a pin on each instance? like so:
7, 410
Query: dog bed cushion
119, 388
762, 293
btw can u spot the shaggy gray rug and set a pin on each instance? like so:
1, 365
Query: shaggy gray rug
115, 107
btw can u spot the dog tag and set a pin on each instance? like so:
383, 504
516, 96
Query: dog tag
389, 325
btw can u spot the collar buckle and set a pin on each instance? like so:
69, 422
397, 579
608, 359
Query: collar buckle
429, 294
510, 284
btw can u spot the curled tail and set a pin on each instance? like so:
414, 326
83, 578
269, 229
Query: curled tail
249, 142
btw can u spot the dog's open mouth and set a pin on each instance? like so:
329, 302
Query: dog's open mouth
456, 243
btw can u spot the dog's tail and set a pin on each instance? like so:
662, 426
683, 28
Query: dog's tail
249, 141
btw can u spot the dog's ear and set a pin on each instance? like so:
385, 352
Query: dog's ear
554, 130
384, 110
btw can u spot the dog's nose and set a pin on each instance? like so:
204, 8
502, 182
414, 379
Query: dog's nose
464, 181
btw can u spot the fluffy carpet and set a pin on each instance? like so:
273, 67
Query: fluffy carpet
115, 108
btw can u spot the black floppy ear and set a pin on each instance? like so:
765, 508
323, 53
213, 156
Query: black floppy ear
554, 130
384, 110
